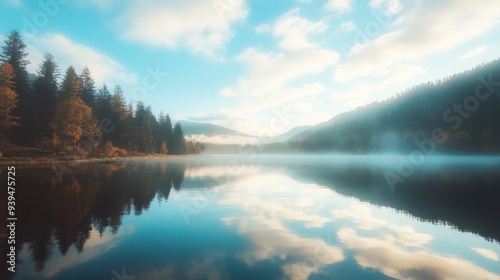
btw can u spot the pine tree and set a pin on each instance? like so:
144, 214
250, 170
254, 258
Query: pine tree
168, 130
143, 127
103, 103
179, 143
45, 88
8, 100
87, 88
118, 117
70, 86
14, 52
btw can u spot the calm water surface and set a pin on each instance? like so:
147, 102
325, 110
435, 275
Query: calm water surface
289, 217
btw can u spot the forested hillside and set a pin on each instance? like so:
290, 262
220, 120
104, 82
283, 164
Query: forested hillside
68, 114
459, 114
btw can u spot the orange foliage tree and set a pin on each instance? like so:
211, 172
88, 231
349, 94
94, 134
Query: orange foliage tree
73, 118
8, 100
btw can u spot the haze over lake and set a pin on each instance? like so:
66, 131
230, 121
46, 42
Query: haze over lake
261, 217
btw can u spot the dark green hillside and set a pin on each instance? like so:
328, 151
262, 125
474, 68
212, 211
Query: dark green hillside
462, 111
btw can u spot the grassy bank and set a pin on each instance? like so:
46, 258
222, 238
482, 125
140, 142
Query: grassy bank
37, 156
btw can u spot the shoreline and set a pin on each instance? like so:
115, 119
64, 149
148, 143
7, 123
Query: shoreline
27, 161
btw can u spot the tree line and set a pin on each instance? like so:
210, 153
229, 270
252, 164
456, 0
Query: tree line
459, 114
73, 115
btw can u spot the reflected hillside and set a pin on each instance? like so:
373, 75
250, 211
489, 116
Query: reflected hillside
458, 193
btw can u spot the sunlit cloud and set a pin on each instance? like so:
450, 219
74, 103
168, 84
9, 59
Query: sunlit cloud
413, 38
264, 223
340, 6
67, 52
389, 6
170, 24
475, 52
400, 262
489, 254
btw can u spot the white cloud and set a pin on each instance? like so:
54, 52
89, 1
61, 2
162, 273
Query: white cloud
360, 92
271, 71
389, 6
486, 253
263, 28
401, 262
300, 107
399, 251
268, 86
362, 215
294, 31
67, 52
200, 26
416, 36
475, 52
264, 223
348, 26
340, 6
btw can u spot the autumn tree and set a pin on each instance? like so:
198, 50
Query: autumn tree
8, 100
73, 118
14, 52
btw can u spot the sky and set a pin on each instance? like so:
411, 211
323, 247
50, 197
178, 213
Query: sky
260, 67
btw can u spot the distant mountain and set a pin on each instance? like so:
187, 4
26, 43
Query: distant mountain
208, 129
458, 114
214, 134
290, 134
211, 133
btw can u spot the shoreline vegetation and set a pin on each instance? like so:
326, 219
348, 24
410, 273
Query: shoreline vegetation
67, 115
33, 156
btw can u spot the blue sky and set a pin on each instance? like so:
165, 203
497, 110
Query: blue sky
261, 67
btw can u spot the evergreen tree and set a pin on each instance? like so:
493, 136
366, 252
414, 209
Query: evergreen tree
118, 117
14, 52
168, 130
102, 104
143, 128
45, 88
70, 86
87, 88
164, 136
179, 143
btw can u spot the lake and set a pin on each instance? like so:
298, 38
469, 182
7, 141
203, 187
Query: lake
260, 217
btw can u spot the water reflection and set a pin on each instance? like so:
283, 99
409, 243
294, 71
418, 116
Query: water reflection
271, 219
